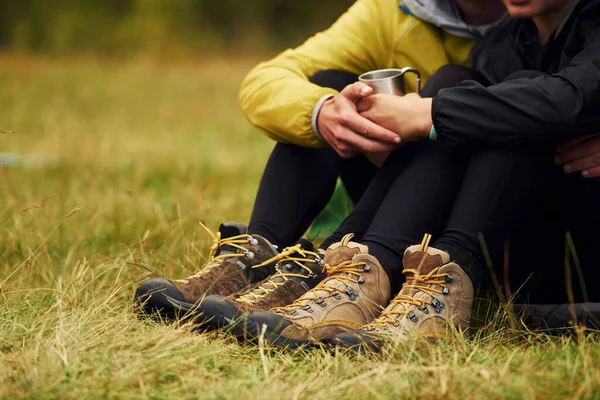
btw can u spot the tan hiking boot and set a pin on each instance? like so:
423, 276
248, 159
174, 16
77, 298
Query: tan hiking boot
298, 269
353, 294
234, 256
434, 302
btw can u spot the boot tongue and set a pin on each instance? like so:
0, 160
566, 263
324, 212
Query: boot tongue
337, 253
424, 261
290, 267
306, 245
228, 230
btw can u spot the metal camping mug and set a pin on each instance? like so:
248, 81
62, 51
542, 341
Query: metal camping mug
389, 81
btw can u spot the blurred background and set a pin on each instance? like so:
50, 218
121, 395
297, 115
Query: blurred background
126, 111
121, 27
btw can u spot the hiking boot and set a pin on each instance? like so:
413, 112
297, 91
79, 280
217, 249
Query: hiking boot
354, 292
435, 302
230, 268
298, 269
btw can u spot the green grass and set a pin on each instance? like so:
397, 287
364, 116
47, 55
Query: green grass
136, 153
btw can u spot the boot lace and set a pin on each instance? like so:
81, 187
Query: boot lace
280, 277
346, 272
236, 242
398, 307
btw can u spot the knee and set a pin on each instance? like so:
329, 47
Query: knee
337, 80
525, 74
449, 76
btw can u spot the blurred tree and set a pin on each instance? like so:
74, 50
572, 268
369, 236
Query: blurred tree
121, 26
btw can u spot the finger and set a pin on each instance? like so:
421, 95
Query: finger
364, 144
356, 91
573, 143
591, 172
582, 163
345, 151
369, 129
580, 150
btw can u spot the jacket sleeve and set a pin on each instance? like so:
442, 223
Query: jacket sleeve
548, 108
277, 97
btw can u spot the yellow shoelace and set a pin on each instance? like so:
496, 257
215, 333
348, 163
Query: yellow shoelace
284, 257
233, 241
399, 305
345, 272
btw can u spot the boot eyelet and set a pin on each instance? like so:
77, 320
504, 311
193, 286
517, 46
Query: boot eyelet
321, 302
308, 309
288, 266
445, 290
337, 296
249, 254
435, 303
361, 280
253, 241
412, 316
351, 293
424, 309
442, 305
294, 313
448, 278
367, 268
311, 275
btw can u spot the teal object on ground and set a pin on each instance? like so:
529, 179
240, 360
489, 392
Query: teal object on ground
333, 214
13, 160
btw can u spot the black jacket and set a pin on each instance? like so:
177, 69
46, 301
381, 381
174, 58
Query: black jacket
552, 108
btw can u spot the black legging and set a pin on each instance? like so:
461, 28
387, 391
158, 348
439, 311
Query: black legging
298, 181
452, 194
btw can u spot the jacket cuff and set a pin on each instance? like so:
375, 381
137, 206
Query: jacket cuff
438, 128
315, 114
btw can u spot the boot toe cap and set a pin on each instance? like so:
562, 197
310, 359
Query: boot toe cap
357, 341
274, 323
151, 296
217, 312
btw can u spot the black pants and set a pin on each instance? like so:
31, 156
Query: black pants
298, 181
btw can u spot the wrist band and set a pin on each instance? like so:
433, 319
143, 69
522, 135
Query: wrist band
432, 133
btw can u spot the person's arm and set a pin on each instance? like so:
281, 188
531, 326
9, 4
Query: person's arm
277, 97
552, 108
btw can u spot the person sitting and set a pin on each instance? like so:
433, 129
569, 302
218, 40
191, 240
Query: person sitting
458, 192
298, 99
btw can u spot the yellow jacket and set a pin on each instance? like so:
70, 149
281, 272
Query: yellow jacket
277, 97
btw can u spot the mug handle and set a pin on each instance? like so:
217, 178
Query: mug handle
417, 74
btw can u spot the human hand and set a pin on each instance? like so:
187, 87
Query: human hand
347, 132
580, 154
409, 116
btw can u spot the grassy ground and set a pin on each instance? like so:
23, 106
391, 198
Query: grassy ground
128, 157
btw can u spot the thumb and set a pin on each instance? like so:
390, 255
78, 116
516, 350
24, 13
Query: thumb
364, 104
356, 91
